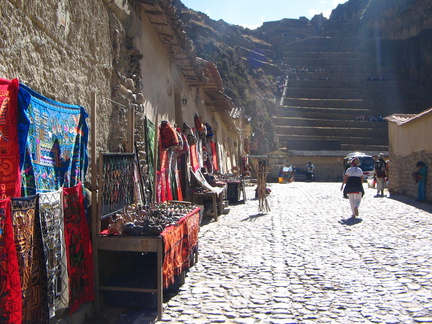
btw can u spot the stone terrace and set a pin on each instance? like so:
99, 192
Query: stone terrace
334, 89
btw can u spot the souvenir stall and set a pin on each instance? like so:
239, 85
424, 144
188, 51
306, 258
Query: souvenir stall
235, 187
203, 161
43, 223
147, 246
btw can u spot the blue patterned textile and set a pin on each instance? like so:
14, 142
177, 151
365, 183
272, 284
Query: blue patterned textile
55, 152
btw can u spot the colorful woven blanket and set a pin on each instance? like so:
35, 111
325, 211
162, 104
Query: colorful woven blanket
52, 226
56, 144
31, 260
10, 285
78, 248
10, 185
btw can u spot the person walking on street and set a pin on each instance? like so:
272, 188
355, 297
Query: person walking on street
309, 168
380, 169
421, 180
353, 181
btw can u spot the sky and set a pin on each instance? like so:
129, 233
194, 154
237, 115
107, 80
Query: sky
252, 13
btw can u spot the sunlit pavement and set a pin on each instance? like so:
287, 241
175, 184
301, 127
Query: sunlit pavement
300, 263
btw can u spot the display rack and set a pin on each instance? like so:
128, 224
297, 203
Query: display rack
119, 187
174, 247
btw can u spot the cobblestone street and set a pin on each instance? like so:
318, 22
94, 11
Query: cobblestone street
299, 263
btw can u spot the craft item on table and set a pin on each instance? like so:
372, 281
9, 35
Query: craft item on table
52, 227
56, 151
10, 284
146, 220
28, 242
78, 248
10, 178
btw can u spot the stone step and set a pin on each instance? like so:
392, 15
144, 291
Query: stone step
328, 122
325, 103
330, 131
347, 81
363, 140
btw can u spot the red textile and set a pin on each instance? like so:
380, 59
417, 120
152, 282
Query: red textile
78, 248
214, 156
168, 135
173, 258
10, 184
194, 158
31, 260
178, 186
190, 240
179, 242
169, 195
10, 284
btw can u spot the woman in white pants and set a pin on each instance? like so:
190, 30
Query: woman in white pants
354, 186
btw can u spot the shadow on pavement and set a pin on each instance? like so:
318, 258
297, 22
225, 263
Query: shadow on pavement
351, 221
253, 217
425, 205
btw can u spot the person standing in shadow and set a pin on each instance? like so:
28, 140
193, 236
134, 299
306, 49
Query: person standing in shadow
421, 180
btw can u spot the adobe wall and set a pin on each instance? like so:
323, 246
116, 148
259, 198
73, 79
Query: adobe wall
61, 49
400, 174
409, 143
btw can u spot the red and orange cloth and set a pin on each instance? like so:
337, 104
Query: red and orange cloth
179, 243
10, 185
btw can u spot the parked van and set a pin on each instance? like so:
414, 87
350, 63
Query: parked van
366, 163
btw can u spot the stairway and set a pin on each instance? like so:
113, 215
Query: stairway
334, 99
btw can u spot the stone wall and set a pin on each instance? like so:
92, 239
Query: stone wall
63, 50
400, 174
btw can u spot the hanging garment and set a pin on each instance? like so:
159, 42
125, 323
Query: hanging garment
52, 227
10, 284
194, 158
190, 134
78, 248
56, 145
150, 136
28, 242
214, 156
168, 135
10, 178
210, 132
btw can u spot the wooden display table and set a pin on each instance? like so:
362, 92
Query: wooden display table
216, 198
175, 248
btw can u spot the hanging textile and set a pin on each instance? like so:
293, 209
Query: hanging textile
179, 193
194, 158
52, 227
28, 242
173, 257
56, 151
10, 181
168, 135
214, 156
10, 284
150, 136
78, 248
